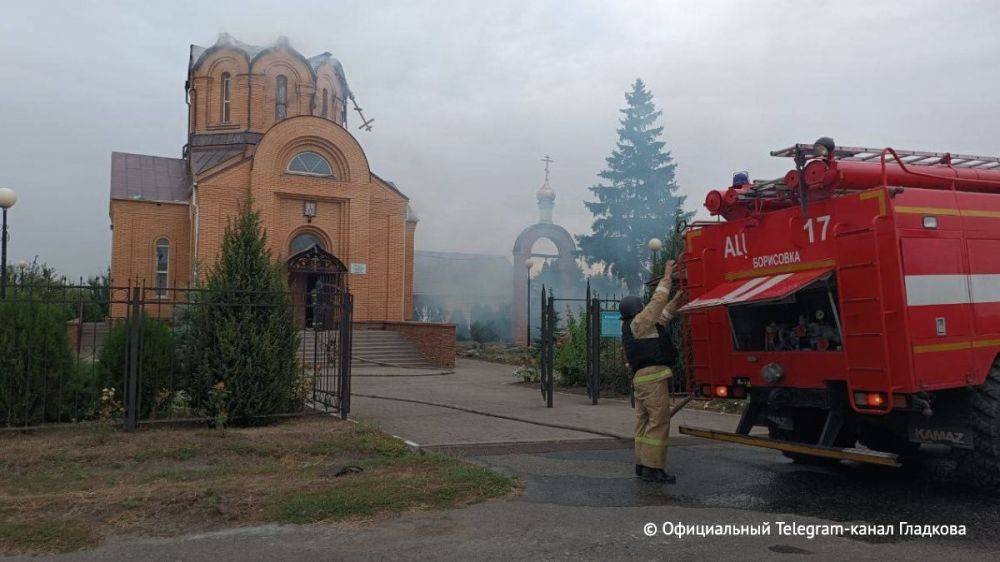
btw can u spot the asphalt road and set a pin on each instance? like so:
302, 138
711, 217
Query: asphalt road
764, 483
581, 500
583, 503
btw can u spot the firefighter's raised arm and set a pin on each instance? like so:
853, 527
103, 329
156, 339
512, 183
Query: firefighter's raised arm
671, 309
647, 319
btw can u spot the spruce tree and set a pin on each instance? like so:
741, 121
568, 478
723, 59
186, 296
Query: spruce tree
241, 335
637, 199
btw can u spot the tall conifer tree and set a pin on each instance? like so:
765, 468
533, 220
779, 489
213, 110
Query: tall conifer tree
637, 199
241, 332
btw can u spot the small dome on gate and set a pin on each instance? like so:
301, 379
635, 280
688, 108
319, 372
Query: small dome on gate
545, 193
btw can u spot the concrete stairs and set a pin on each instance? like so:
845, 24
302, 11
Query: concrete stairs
90, 337
386, 347
370, 347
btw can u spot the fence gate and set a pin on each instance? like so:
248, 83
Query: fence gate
604, 350
329, 357
606, 356
547, 347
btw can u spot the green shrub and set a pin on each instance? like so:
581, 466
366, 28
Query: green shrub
571, 352
483, 332
80, 396
157, 359
614, 374
35, 362
496, 317
527, 373
571, 358
239, 337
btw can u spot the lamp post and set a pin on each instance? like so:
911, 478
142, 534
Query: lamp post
7, 200
527, 268
654, 246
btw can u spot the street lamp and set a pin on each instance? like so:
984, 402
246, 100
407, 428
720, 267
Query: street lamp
7, 200
527, 267
654, 245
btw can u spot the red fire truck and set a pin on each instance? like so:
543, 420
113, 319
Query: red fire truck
855, 300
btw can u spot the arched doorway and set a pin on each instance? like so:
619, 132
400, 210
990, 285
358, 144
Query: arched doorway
314, 276
566, 252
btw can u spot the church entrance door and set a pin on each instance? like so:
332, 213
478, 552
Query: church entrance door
316, 278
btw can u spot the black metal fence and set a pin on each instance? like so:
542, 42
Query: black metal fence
605, 363
547, 347
140, 355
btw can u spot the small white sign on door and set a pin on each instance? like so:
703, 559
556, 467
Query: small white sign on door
359, 268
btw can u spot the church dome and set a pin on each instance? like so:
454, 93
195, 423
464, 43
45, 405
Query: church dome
545, 193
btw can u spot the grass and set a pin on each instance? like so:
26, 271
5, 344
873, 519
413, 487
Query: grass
433, 482
56, 535
68, 489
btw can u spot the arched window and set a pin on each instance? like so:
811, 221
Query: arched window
310, 163
324, 103
304, 241
227, 93
162, 266
281, 98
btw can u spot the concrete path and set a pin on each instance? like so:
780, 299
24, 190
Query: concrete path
403, 408
581, 500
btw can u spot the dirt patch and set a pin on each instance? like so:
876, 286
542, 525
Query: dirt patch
68, 489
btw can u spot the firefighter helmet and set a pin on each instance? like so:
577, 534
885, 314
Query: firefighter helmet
630, 306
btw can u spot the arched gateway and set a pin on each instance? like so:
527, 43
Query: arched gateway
565, 252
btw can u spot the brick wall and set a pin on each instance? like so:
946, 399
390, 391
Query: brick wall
252, 90
362, 218
137, 226
436, 342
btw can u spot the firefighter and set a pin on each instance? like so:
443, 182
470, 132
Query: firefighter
649, 352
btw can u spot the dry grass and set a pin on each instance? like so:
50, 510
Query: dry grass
70, 488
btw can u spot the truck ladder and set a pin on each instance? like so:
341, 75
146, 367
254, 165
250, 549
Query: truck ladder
862, 316
909, 157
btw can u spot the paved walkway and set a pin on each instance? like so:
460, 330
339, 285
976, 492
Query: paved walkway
490, 388
581, 500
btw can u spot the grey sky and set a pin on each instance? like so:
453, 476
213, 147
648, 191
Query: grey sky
468, 96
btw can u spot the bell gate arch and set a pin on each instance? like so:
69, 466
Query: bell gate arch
566, 248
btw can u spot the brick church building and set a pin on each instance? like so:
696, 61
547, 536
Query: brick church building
269, 125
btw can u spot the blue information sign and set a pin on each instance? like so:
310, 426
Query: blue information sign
611, 324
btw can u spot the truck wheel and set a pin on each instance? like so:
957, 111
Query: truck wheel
807, 426
982, 463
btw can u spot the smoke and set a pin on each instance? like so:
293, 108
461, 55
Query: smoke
467, 97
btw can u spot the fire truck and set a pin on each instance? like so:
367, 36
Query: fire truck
855, 301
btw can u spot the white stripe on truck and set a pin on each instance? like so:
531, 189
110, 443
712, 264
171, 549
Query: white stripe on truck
930, 290
926, 290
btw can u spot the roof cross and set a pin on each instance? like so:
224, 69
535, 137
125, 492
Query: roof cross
547, 161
